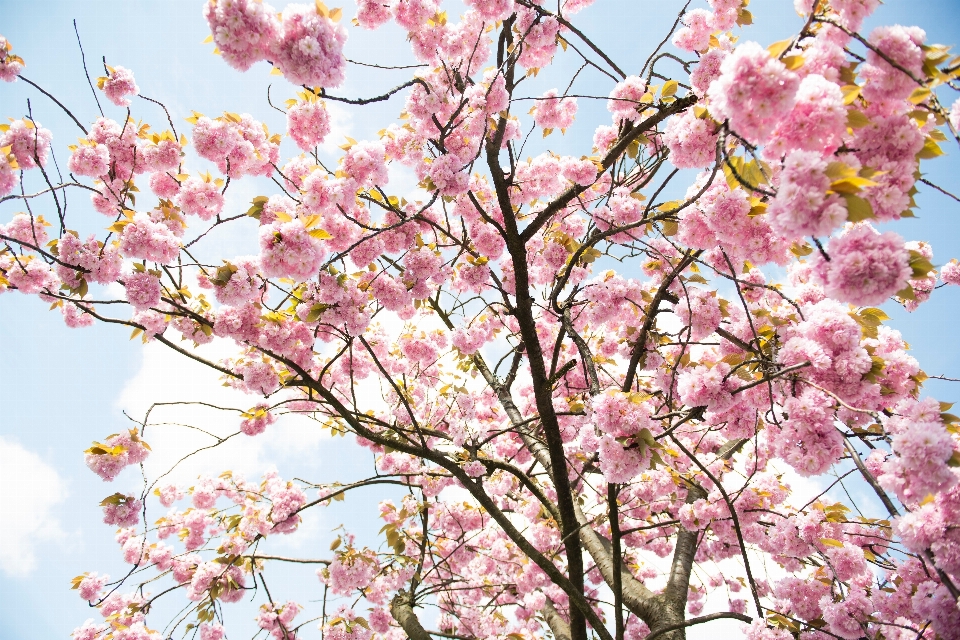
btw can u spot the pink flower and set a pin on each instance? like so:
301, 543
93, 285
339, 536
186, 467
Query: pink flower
212, 631
551, 112
118, 85
143, 289
373, 13
257, 419
142, 238
692, 141
26, 229
802, 206
122, 511
817, 122
695, 35
365, 163
259, 377
244, 30
624, 100
699, 310
308, 124
706, 387
200, 197
91, 585
950, 272
29, 142
865, 267
310, 48
288, 250
885, 83
753, 91
10, 65
90, 160
90, 630
117, 451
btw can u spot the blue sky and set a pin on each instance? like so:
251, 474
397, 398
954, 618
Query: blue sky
63, 388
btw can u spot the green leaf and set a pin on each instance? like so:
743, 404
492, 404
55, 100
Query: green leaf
857, 208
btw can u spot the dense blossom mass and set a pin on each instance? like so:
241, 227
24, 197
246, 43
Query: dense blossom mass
595, 397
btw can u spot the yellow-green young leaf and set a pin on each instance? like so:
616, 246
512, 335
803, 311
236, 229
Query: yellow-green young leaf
335, 14
801, 250
954, 460
857, 208
777, 49
850, 93
839, 171
670, 228
930, 149
906, 293
335, 543
793, 62
319, 234
830, 542
856, 119
207, 40
920, 265
919, 95
745, 18
851, 185
669, 88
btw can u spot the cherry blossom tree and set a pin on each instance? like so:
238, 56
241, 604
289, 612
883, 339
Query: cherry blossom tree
589, 374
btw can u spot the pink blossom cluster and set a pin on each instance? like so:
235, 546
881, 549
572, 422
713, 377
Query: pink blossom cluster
122, 511
865, 266
238, 144
753, 91
350, 570
239, 281
118, 85
29, 275
288, 250
26, 230
29, 142
923, 448
692, 141
257, 420
309, 49
143, 289
807, 439
277, 619
722, 217
699, 310
244, 30
371, 14
625, 99
708, 387
200, 197
148, 240
950, 272
802, 206
308, 123
91, 585
884, 82
552, 112
117, 451
540, 38
10, 65
816, 123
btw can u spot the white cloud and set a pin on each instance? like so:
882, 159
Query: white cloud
32, 489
